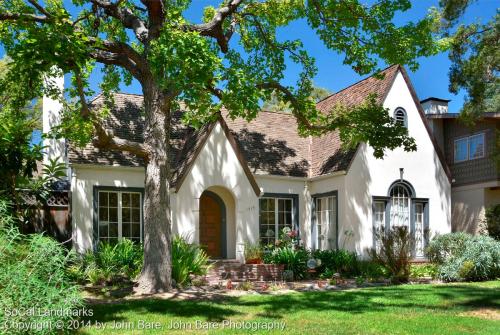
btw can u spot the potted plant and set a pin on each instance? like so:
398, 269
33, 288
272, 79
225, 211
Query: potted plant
253, 254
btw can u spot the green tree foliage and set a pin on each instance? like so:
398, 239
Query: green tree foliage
19, 158
274, 104
475, 57
231, 57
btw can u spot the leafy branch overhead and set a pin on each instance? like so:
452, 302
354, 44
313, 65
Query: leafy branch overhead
231, 58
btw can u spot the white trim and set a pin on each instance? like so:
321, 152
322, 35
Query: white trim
105, 167
305, 179
332, 174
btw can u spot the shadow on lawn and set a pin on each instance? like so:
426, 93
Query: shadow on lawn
426, 298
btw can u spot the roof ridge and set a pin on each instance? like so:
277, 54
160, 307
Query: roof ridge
358, 82
126, 93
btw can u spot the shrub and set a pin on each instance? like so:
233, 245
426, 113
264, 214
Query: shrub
293, 259
32, 276
110, 264
341, 261
394, 253
187, 259
371, 270
253, 252
444, 246
493, 221
423, 270
461, 256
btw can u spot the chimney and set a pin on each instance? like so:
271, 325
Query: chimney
433, 105
51, 108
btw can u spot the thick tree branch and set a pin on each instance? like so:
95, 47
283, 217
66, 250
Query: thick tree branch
126, 17
214, 28
156, 16
110, 58
40, 8
7, 16
135, 60
105, 139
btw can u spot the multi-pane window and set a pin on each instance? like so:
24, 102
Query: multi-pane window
379, 214
326, 222
468, 148
400, 206
419, 230
379, 218
120, 216
275, 214
403, 210
476, 146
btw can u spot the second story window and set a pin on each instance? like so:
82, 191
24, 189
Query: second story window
469, 148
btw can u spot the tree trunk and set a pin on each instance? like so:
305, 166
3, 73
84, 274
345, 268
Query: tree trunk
157, 269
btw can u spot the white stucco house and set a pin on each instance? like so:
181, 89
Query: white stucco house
235, 181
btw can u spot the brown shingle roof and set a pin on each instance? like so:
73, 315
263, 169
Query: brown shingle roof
326, 151
127, 121
269, 144
357, 93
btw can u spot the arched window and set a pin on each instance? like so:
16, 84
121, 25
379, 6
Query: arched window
400, 205
401, 208
400, 116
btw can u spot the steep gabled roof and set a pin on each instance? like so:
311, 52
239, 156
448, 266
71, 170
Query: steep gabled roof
358, 92
269, 144
327, 153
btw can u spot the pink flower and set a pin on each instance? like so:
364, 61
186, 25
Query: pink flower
292, 233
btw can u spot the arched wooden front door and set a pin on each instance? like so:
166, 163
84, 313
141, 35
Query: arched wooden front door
212, 220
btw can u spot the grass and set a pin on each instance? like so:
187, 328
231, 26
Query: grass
465, 308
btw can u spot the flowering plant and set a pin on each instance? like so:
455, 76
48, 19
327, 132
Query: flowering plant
288, 237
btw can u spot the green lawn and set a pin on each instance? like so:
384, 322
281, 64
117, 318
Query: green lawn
407, 309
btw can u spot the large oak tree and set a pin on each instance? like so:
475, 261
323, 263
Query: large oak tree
231, 57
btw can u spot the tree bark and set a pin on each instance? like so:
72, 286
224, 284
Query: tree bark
157, 269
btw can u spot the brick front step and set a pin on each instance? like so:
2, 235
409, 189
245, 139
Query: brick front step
237, 272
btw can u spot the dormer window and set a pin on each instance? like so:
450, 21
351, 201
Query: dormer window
400, 116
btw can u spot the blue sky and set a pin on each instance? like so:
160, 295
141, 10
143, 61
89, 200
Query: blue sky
431, 79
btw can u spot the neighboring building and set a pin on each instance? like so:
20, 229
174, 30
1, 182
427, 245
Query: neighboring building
235, 181
472, 153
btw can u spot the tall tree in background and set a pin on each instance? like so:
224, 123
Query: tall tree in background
230, 58
475, 56
275, 104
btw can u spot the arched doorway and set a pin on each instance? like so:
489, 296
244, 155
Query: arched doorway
212, 225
